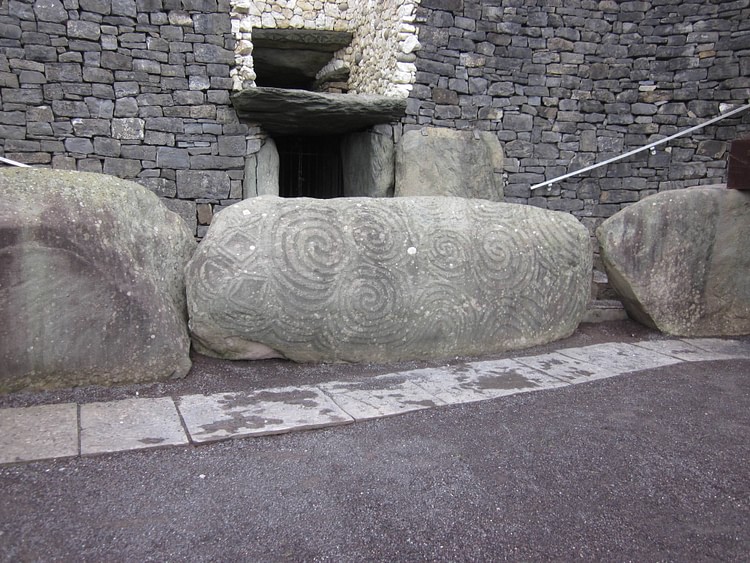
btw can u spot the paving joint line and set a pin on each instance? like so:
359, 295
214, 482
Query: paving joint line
234, 415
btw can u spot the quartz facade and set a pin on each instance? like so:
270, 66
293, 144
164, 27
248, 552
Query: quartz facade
380, 58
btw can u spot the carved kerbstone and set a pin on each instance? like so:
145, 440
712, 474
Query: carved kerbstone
375, 280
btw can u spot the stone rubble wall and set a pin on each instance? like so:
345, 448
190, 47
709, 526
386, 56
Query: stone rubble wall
279, 14
565, 84
134, 88
382, 54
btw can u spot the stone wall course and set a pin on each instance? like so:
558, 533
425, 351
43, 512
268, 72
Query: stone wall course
573, 83
142, 87
114, 86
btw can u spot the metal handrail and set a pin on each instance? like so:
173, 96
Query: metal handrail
641, 149
13, 162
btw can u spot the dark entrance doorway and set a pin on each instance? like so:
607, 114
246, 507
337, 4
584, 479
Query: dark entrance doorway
310, 167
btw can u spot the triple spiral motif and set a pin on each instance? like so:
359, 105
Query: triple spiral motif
375, 280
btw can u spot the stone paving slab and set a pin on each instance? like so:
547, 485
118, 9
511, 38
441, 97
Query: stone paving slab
270, 411
565, 368
380, 398
52, 431
732, 348
483, 380
683, 350
41, 432
130, 424
618, 358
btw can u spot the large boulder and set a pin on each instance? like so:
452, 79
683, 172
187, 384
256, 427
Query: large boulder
437, 161
91, 282
376, 280
680, 260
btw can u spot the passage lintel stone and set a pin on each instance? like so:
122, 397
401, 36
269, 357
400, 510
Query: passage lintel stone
299, 112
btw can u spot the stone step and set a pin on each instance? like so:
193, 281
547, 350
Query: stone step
603, 310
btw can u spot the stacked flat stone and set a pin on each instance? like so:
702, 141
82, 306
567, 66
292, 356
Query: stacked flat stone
567, 84
134, 88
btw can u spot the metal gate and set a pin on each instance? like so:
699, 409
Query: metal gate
310, 167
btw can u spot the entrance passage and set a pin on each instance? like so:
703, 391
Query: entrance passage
310, 167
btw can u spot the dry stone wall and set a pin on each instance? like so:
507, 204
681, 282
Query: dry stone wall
568, 83
134, 88
141, 88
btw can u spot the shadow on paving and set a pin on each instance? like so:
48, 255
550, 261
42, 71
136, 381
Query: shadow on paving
211, 375
651, 465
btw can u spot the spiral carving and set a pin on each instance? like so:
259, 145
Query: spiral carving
309, 253
370, 301
505, 258
378, 236
449, 252
388, 279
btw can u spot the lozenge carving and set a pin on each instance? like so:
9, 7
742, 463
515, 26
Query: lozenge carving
370, 280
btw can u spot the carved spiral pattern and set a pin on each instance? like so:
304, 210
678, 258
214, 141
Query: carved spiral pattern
449, 252
391, 279
369, 303
446, 313
309, 253
379, 236
505, 258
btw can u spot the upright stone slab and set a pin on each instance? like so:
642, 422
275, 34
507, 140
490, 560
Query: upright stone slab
680, 260
262, 171
91, 282
445, 162
376, 280
368, 163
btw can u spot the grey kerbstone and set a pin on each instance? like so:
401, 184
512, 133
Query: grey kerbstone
683, 350
91, 282
130, 424
368, 163
436, 161
41, 432
565, 368
734, 348
359, 279
479, 381
679, 261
